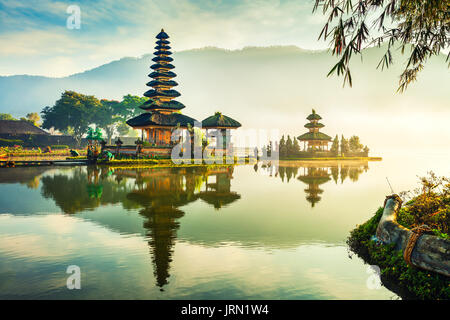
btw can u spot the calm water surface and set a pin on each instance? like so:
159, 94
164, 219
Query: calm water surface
244, 232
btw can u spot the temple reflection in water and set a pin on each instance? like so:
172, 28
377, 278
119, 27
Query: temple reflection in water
158, 194
315, 174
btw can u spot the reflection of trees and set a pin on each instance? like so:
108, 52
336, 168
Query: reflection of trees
30, 176
335, 173
316, 174
288, 172
84, 189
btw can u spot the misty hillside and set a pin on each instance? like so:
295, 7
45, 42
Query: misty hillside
261, 86
254, 78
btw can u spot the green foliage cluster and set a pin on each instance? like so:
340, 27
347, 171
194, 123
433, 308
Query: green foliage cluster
10, 142
419, 25
409, 282
428, 205
290, 148
74, 112
60, 147
6, 116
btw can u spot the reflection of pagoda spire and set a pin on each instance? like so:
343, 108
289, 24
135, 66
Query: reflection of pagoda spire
160, 192
162, 225
314, 177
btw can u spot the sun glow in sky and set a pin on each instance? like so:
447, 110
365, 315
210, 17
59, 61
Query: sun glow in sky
35, 39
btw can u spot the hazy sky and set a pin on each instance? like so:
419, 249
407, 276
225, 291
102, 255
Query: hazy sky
35, 39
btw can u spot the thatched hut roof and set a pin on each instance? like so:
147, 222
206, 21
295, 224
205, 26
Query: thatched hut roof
171, 105
162, 35
166, 52
14, 127
166, 74
157, 66
218, 120
159, 59
313, 116
165, 93
314, 136
158, 47
314, 125
169, 83
162, 42
155, 118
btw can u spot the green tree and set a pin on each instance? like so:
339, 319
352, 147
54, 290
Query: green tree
107, 117
345, 148
355, 145
289, 146
129, 106
34, 118
6, 116
295, 147
123, 129
366, 151
282, 147
423, 26
335, 146
73, 111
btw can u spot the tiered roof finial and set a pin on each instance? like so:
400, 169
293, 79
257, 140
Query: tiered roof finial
161, 95
314, 125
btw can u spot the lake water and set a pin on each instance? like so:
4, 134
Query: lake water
243, 232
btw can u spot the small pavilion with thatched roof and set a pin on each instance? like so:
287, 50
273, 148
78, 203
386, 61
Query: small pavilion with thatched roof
222, 123
314, 139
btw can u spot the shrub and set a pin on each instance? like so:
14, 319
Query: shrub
10, 142
56, 147
429, 205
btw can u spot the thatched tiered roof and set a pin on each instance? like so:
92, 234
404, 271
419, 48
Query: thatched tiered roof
152, 105
218, 120
161, 84
314, 125
15, 127
314, 136
155, 118
313, 116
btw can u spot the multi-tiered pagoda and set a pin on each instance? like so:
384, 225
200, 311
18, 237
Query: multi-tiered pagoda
162, 111
315, 139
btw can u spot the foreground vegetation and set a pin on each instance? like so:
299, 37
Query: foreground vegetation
49, 152
428, 205
396, 275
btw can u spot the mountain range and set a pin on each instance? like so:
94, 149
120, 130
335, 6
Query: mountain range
262, 87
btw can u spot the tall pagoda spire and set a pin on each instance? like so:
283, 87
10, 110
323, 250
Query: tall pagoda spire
161, 95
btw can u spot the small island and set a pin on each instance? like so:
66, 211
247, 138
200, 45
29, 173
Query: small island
316, 145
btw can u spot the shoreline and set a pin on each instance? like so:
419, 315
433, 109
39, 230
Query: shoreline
334, 159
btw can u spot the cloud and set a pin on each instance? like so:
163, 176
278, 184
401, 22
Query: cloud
113, 29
